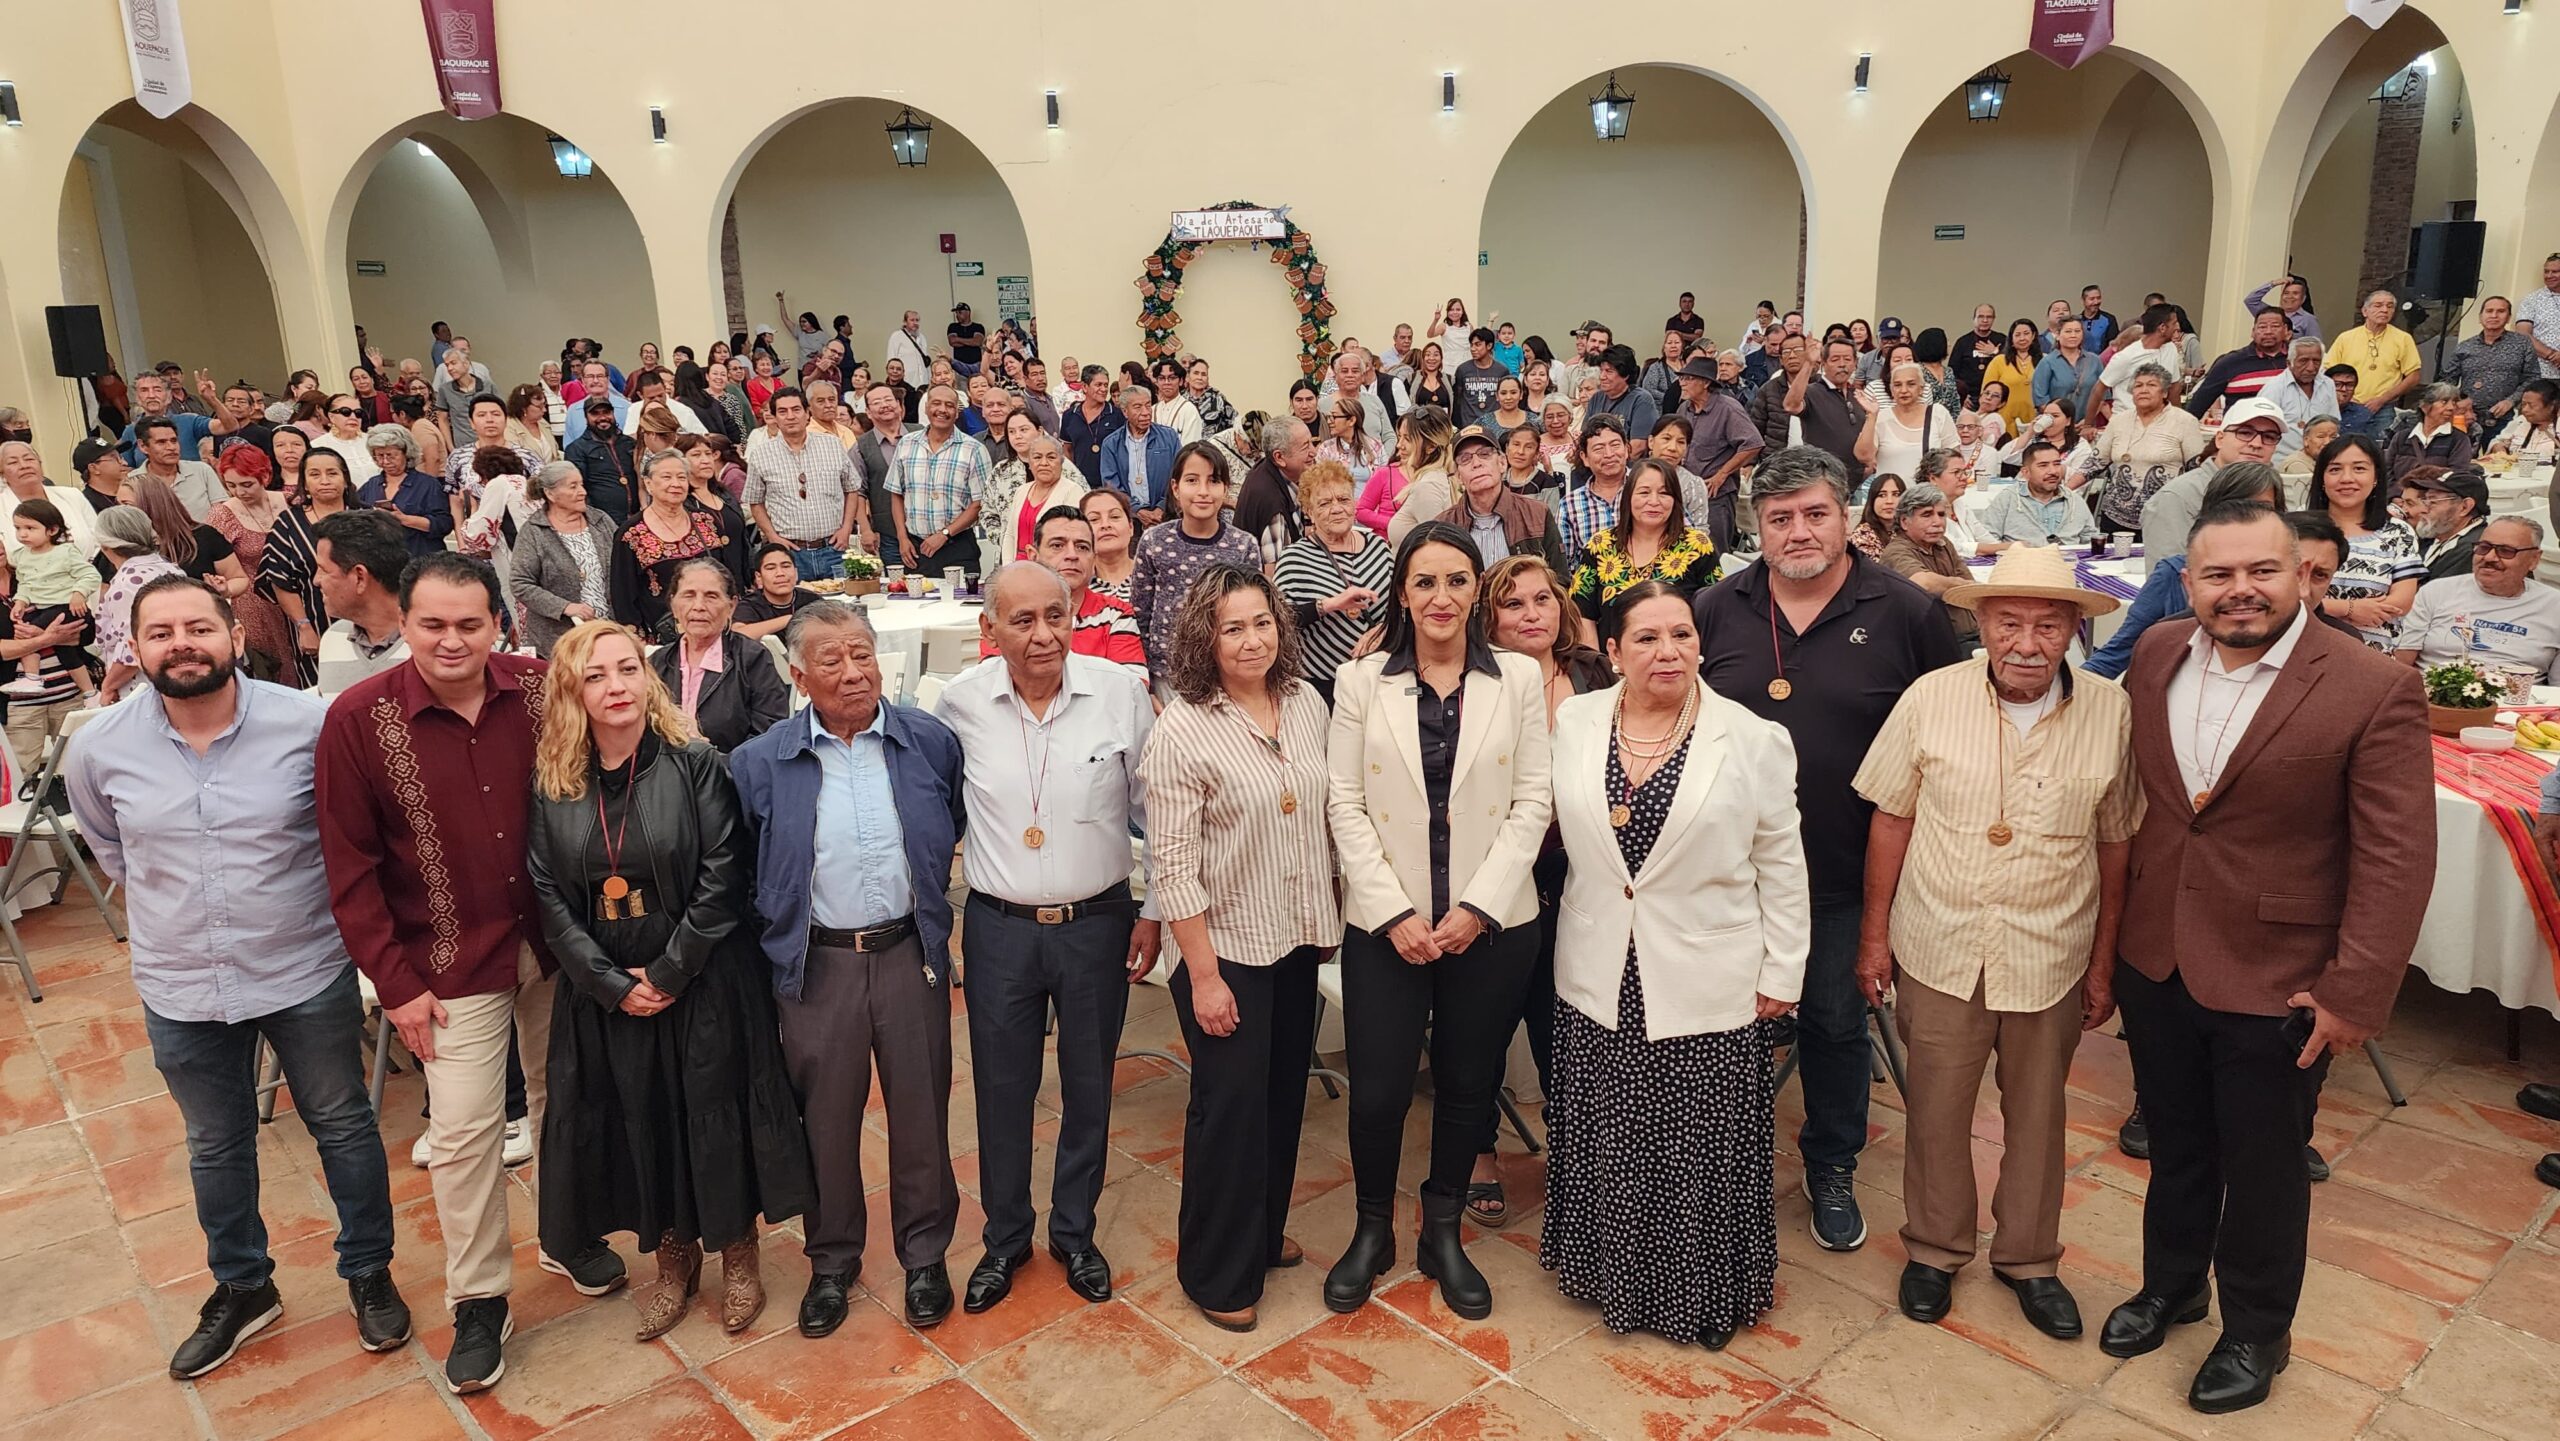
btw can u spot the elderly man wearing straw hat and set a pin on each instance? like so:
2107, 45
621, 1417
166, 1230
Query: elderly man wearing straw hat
2006, 802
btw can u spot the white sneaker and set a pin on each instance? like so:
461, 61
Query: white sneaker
419, 1155
25, 687
518, 1146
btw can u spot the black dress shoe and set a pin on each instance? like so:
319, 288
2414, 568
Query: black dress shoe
991, 1280
1926, 1292
2547, 1170
2238, 1374
1088, 1275
1716, 1338
928, 1296
2134, 1137
2318, 1167
2137, 1327
2047, 1305
822, 1306
2540, 1099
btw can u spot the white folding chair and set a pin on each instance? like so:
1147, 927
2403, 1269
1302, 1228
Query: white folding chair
46, 814
893, 675
929, 690
950, 649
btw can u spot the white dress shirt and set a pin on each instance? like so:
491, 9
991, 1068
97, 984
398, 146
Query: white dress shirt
1072, 772
2210, 708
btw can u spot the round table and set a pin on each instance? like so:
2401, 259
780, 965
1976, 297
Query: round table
2479, 932
902, 622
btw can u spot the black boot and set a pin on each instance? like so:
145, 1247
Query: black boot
1442, 1258
1371, 1252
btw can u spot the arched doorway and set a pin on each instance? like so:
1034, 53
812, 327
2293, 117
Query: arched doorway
821, 210
1704, 195
2388, 149
161, 229
2095, 175
475, 223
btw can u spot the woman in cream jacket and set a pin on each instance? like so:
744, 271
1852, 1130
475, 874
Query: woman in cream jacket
1684, 925
1439, 799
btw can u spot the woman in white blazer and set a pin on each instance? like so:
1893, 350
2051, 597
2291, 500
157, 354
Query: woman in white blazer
1683, 927
1438, 794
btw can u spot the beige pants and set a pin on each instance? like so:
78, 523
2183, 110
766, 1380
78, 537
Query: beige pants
1949, 1041
30, 725
467, 1122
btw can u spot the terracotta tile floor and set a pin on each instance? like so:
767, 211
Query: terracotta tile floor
2432, 1308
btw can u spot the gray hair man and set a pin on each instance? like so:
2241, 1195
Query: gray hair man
1053, 928
2497, 615
1821, 640
1994, 882
856, 806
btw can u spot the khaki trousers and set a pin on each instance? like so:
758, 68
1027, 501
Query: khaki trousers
467, 1122
1949, 1041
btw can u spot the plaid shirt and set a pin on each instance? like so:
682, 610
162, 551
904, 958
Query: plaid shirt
802, 491
1585, 515
2541, 310
938, 484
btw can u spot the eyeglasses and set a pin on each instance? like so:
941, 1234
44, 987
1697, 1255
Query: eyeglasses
2503, 552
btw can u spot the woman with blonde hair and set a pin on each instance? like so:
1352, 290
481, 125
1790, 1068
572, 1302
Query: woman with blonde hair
672, 1117
1428, 443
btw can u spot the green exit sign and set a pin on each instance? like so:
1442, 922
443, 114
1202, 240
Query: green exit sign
1947, 232
968, 267
1484, 257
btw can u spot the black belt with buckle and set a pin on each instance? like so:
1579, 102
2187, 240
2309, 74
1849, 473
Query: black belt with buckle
870, 938
1111, 902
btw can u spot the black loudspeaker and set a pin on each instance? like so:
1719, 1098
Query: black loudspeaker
79, 340
2444, 258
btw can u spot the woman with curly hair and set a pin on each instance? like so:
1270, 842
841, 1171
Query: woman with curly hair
1242, 867
672, 1117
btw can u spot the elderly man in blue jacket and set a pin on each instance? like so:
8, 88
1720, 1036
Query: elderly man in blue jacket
856, 805
1137, 459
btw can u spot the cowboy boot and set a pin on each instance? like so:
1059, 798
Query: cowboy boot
662, 1302
741, 1286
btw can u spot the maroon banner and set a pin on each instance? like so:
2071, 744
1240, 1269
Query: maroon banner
462, 40
2067, 32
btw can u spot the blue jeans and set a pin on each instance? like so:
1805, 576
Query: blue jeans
1832, 1056
212, 1071
818, 562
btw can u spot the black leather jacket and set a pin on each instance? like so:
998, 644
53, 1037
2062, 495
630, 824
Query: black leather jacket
682, 843
737, 702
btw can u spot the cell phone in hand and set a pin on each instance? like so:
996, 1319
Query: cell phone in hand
2298, 1025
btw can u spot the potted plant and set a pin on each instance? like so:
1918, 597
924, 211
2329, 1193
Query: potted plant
861, 574
2459, 694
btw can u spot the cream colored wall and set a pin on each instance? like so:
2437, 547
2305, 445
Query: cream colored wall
2328, 230
296, 97
198, 282
585, 268
826, 216
1700, 196
2091, 176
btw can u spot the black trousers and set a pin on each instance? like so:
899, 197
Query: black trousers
1538, 997
960, 550
1240, 1135
1468, 1004
2230, 1190
1017, 970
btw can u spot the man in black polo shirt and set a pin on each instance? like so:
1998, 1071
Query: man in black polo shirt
1827, 406
1849, 636
968, 341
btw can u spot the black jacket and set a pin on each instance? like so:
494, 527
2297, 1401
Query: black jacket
607, 466
683, 848
738, 701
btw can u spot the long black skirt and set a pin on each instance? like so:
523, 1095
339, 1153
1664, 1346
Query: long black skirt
684, 1121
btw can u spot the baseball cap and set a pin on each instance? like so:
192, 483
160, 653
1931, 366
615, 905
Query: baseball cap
1472, 435
963, 305
599, 405
1889, 328
1588, 326
2469, 484
88, 453
2256, 407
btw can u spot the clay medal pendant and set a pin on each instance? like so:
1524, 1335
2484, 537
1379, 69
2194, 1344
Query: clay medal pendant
1781, 688
614, 888
1999, 834
2201, 798
1288, 803
1619, 815
1033, 837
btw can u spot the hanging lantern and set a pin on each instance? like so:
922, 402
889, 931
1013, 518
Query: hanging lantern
1985, 93
1610, 109
909, 138
570, 161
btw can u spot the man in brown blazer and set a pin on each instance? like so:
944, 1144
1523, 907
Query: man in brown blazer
2286, 769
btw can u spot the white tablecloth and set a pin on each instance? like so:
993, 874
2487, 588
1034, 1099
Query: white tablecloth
2526, 488
2479, 932
902, 625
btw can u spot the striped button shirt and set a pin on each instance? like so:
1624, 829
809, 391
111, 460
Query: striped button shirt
2016, 919
801, 490
939, 482
1221, 844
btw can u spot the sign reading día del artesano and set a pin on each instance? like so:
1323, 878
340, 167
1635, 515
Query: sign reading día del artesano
1197, 225
157, 47
462, 40
2067, 32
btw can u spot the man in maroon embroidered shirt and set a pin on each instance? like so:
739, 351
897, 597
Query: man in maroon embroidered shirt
423, 779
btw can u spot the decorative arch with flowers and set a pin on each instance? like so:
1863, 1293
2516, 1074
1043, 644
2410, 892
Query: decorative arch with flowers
1293, 252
